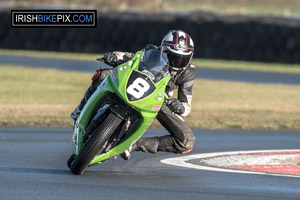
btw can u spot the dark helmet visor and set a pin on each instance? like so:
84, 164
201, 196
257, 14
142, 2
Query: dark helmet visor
179, 61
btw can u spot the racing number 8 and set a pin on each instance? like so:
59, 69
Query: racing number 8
138, 88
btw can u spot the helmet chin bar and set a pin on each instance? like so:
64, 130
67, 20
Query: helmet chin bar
174, 70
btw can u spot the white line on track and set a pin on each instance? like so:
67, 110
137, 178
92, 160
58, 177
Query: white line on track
182, 161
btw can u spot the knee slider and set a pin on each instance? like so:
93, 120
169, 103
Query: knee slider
188, 147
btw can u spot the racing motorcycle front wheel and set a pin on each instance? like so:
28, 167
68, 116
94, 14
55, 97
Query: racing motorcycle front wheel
95, 144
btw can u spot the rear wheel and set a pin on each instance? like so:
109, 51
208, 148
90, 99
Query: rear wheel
94, 145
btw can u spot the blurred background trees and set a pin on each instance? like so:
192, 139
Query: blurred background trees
253, 30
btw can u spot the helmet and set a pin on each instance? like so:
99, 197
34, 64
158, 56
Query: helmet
179, 48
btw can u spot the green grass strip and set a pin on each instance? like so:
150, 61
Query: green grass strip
46, 97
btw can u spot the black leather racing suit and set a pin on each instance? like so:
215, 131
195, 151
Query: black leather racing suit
181, 138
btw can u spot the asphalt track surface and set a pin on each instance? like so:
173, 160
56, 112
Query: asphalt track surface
203, 73
33, 166
33, 160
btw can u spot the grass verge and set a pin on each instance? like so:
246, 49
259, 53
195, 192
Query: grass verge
206, 63
234, 105
45, 97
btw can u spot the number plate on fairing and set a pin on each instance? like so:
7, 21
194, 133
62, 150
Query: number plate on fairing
139, 86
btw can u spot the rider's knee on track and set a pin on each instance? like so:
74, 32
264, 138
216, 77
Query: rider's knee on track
188, 147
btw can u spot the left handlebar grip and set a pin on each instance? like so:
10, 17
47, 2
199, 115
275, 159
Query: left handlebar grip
100, 59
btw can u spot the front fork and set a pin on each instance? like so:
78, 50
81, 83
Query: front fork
78, 137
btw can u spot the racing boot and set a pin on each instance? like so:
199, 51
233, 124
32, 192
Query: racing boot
126, 154
76, 112
147, 145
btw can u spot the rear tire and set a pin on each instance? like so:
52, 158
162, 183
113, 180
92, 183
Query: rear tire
94, 145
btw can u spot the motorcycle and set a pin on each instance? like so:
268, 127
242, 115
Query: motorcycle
120, 110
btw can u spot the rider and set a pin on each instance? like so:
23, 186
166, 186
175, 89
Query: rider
179, 48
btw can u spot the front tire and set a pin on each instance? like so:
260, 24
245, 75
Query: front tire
71, 159
94, 145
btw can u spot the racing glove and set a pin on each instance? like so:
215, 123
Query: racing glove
110, 58
176, 106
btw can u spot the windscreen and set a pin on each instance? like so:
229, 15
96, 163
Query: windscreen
154, 64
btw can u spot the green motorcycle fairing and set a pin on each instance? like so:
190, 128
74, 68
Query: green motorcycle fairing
137, 88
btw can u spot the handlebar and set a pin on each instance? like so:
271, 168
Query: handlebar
100, 59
